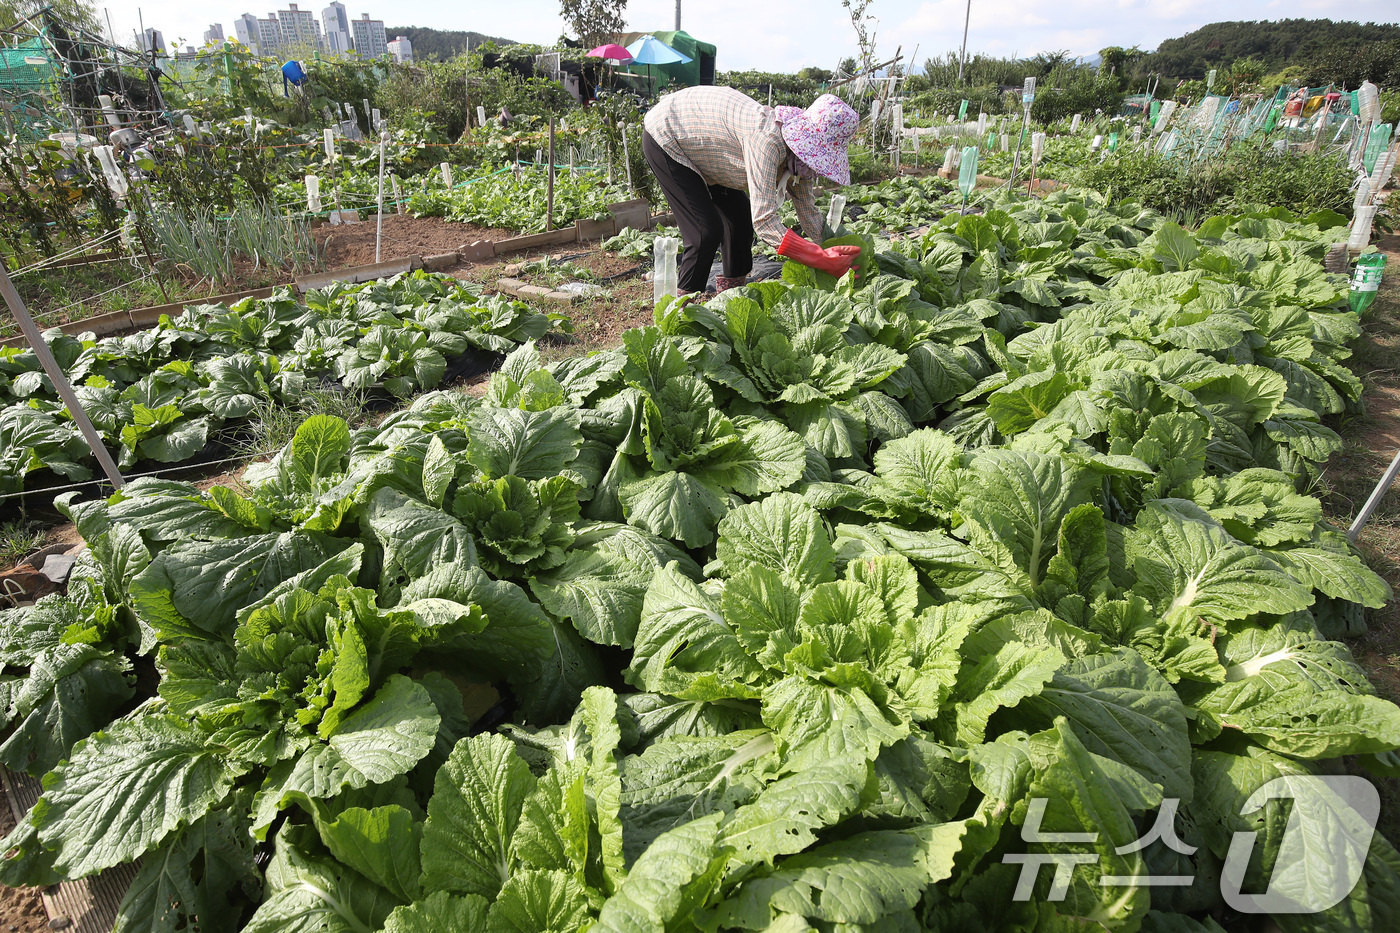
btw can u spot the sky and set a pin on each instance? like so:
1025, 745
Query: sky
786, 35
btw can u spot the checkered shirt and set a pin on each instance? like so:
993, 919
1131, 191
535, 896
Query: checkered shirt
731, 140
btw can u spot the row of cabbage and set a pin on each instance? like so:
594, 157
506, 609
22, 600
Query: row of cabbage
161, 395
824, 606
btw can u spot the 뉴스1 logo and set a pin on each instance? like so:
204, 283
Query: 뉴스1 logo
1318, 862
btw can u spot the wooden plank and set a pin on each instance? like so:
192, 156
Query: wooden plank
596, 229
355, 274
88, 905
148, 317
635, 214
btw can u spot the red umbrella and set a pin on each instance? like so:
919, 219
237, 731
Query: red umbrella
612, 51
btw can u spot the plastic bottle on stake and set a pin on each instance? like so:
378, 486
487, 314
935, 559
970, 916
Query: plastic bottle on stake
967, 172
313, 194
1363, 195
1378, 143
1361, 227
1365, 282
835, 211
663, 281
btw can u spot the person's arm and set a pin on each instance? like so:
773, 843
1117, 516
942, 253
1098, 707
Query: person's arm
761, 160
804, 198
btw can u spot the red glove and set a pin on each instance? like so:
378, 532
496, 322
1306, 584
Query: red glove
836, 261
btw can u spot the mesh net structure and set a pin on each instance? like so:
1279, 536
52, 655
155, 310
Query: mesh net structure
29, 76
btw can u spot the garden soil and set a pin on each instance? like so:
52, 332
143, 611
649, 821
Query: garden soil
21, 910
353, 244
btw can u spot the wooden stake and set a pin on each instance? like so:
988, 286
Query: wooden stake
549, 196
59, 379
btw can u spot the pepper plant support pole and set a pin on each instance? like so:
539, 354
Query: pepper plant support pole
1376, 496
59, 379
962, 55
379, 215
549, 195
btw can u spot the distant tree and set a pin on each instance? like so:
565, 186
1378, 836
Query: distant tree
848, 64
1377, 62
593, 22
443, 44
75, 12
1333, 46
1118, 62
1246, 72
864, 25
811, 73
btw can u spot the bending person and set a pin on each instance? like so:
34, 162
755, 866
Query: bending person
726, 163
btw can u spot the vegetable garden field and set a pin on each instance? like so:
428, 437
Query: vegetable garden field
1000, 587
818, 606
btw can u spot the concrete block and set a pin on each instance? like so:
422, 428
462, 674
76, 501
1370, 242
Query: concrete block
440, 261
479, 251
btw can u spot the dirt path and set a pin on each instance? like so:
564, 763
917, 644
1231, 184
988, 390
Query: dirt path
1371, 441
21, 909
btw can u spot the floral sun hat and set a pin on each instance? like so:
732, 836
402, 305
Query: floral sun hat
820, 134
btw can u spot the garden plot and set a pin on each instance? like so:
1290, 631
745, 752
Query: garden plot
163, 395
797, 599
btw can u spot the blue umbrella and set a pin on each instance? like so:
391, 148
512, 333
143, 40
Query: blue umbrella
649, 50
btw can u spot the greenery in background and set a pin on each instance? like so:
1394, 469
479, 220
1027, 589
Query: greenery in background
792, 90
593, 22
1319, 48
439, 45
1247, 175
1065, 85
517, 200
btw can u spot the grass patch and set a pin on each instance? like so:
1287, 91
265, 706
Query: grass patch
18, 539
270, 427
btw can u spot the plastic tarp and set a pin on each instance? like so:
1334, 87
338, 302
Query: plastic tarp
699, 70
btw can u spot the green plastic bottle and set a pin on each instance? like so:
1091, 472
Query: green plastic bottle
967, 172
1365, 282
